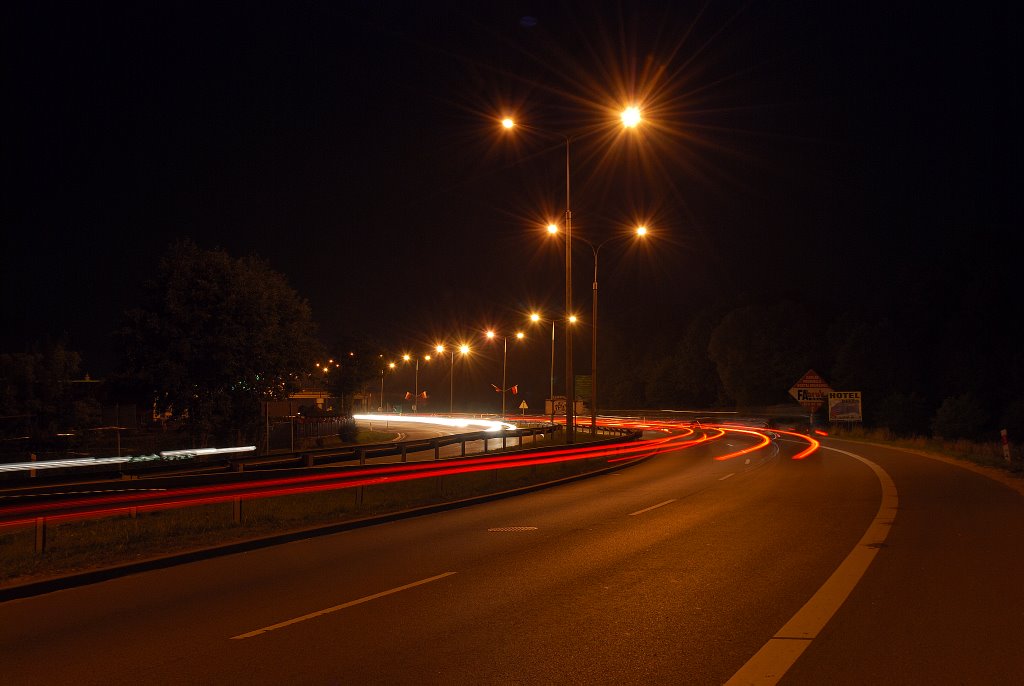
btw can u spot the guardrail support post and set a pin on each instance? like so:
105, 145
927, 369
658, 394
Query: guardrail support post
437, 449
362, 458
405, 450
463, 448
40, 535
237, 467
310, 460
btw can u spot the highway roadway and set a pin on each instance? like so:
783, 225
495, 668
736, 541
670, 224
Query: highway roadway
857, 565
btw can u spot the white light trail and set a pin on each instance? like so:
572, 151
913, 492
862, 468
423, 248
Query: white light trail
453, 422
79, 462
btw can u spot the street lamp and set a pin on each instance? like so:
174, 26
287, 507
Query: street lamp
416, 384
630, 119
504, 364
551, 377
463, 350
640, 232
391, 366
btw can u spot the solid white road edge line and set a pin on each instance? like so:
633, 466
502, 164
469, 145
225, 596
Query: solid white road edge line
652, 507
727, 476
358, 601
781, 651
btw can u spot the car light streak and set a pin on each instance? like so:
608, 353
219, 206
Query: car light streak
454, 422
814, 443
762, 442
79, 462
110, 504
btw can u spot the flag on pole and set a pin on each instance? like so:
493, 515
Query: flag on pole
408, 395
515, 389
496, 389
423, 395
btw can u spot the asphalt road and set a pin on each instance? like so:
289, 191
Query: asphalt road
677, 570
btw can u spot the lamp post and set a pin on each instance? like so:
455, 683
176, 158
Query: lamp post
640, 232
463, 350
416, 382
504, 365
569, 385
391, 366
551, 376
630, 119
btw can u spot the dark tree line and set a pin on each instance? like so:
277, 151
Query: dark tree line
215, 336
950, 372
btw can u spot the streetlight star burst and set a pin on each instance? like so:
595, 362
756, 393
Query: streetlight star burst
630, 117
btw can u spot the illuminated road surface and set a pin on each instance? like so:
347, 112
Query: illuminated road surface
677, 570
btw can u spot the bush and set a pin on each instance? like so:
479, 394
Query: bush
958, 417
348, 431
903, 414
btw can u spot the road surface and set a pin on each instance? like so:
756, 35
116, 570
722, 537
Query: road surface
679, 570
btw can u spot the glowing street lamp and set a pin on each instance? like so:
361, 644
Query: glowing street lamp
535, 318
504, 364
630, 119
416, 384
391, 366
639, 232
463, 350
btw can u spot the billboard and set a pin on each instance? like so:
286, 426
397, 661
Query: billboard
844, 406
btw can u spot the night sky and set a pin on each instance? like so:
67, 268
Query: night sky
863, 156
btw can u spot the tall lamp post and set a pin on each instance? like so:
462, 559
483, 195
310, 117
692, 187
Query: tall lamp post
630, 119
391, 366
504, 365
551, 375
416, 382
463, 350
640, 232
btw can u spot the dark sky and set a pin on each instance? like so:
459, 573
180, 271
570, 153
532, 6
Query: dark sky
851, 155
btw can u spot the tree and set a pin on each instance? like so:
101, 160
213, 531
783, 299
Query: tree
961, 416
355, 367
36, 383
760, 351
214, 337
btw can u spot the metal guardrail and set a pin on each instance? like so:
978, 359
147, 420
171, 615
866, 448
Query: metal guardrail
305, 458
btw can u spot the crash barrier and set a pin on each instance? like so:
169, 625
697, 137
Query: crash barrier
257, 479
242, 459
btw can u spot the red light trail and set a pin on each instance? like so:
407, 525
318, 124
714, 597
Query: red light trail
678, 436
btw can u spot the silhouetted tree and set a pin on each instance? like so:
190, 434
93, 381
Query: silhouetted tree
760, 352
214, 337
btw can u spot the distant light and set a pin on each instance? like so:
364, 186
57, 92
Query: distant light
641, 231
631, 117
464, 349
534, 317
427, 358
391, 365
439, 348
490, 334
572, 319
552, 228
520, 335
507, 123
406, 358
